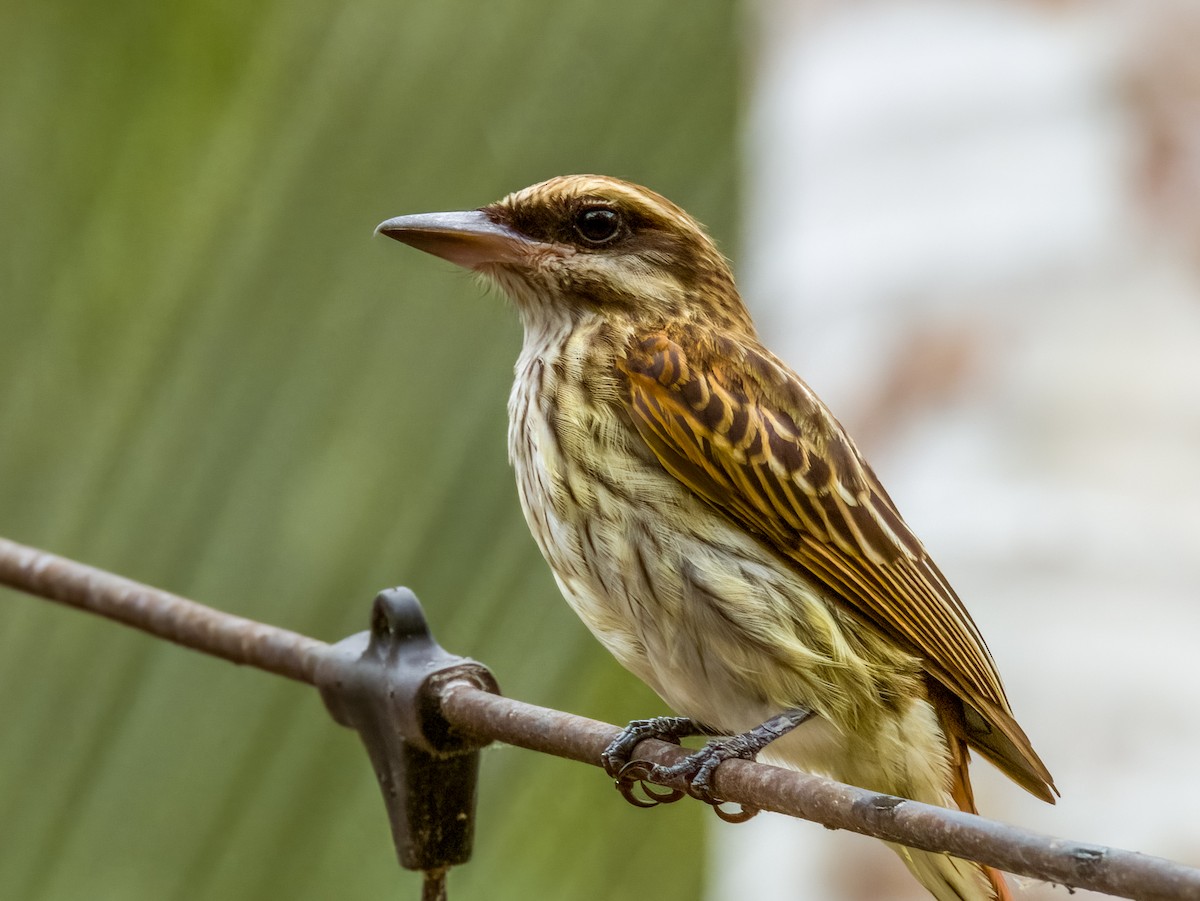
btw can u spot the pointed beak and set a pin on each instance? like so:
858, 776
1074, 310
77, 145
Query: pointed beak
470, 239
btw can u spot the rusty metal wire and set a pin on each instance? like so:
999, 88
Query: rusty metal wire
162, 614
491, 717
1126, 874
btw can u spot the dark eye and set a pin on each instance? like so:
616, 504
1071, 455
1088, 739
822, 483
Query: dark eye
597, 225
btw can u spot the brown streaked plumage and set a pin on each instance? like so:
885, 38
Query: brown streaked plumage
709, 519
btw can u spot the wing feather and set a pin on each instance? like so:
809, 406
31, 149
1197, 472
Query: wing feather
757, 444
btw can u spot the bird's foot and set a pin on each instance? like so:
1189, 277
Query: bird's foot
698, 770
616, 757
665, 728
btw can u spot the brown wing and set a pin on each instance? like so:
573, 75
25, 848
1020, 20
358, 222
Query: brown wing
754, 441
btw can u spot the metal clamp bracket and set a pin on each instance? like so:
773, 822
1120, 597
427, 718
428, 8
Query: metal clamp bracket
385, 685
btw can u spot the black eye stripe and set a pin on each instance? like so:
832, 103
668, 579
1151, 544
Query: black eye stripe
597, 225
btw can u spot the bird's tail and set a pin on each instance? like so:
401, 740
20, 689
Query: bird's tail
952, 878
917, 754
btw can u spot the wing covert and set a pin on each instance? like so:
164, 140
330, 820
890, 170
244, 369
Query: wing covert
756, 443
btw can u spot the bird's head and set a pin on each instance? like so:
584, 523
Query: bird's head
584, 245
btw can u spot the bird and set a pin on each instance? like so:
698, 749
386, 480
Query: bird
713, 524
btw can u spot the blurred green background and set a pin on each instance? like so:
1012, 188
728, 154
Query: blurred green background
213, 379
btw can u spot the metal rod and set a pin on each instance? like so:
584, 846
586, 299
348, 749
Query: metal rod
162, 614
491, 717
433, 888
1126, 874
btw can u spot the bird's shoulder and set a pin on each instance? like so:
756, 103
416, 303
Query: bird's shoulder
742, 411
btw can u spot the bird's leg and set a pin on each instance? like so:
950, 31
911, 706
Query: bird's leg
698, 769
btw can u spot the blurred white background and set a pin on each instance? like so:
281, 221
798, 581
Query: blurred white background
973, 226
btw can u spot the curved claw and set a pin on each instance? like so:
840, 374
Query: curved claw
639, 772
741, 815
662, 795
626, 788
